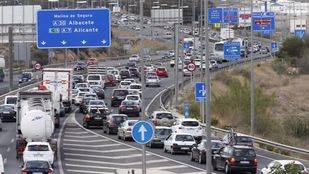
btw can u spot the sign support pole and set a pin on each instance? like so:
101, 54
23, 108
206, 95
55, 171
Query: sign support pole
66, 58
252, 121
11, 57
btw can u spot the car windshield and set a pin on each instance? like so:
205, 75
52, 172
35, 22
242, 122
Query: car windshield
84, 89
164, 115
131, 123
11, 100
184, 138
76, 78
38, 148
152, 77
128, 103
244, 152
161, 69
132, 97
119, 119
81, 85
94, 77
219, 47
135, 87
124, 72
190, 123
96, 102
244, 139
163, 132
26, 75
97, 88
37, 165
120, 92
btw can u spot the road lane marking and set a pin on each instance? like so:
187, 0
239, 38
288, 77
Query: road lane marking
87, 145
169, 167
12, 140
80, 136
116, 164
87, 171
8, 149
86, 141
76, 133
89, 166
99, 151
105, 157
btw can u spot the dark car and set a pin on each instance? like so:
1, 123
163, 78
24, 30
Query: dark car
94, 118
118, 96
134, 72
80, 66
84, 104
124, 74
235, 159
129, 108
237, 139
37, 166
25, 77
98, 89
161, 133
112, 122
7, 113
130, 65
198, 152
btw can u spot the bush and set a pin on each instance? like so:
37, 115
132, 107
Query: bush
297, 126
293, 46
40, 56
279, 66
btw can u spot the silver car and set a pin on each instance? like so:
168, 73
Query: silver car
153, 81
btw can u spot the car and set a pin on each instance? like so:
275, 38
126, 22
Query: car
11, 100
95, 79
37, 166
97, 104
116, 73
84, 104
38, 151
134, 92
149, 68
7, 113
77, 79
214, 64
130, 108
125, 129
130, 65
161, 72
162, 118
124, 84
171, 53
110, 80
264, 51
92, 61
282, 164
165, 56
81, 85
134, 58
124, 74
25, 77
152, 81
134, 72
148, 74
190, 126
235, 159
136, 86
178, 142
94, 118
78, 98
80, 66
91, 94
112, 122
147, 58
129, 80
186, 72
161, 133
99, 91
198, 152
134, 98
239, 139
118, 96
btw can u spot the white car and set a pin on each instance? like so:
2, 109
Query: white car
172, 62
282, 164
130, 80
178, 142
11, 100
134, 58
124, 84
134, 98
190, 126
134, 92
136, 86
186, 72
81, 85
153, 81
197, 63
116, 73
38, 151
90, 94
79, 97
125, 129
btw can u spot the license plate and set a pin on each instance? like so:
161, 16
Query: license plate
37, 155
185, 148
129, 108
244, 162
37, 173
97, 118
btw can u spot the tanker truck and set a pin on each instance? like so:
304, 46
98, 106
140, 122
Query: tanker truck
35, 123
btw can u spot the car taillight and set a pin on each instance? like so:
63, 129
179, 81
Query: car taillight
87, 117
255, 161
50, 171
232, 160
113, 97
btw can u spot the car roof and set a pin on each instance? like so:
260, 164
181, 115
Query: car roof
163, 127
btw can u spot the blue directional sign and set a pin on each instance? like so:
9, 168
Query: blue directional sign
300, 33
186, 109
200, 91
215, 15
82, 28
262, 21
230, 15
231, 50
142, 132
274, 46
186, 45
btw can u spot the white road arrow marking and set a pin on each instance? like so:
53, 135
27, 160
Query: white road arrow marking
63, 42
103, 41
142, 130
43, 42
84, 42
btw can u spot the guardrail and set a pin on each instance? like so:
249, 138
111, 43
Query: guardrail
170, 92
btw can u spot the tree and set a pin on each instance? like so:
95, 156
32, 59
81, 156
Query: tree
293, 47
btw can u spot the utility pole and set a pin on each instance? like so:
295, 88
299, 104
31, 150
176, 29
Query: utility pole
208, 92
177, 56
202, 106
66, 58
11, 57
252, 83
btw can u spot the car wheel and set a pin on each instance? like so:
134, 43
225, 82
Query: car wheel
214, 165
200, 159
119, 137
227, 169
172, 151
192, 158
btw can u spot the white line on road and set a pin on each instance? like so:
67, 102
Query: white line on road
117, 164
87, 145
8, 149
12, 140
104, 157
76, 133
87, 171
99, 151
86, 141
89, 166
169, 167
80, 136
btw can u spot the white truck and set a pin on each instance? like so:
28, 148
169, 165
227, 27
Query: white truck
59, 81
35, 121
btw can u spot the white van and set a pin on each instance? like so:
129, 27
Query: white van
1, 165
95, 78
11, 100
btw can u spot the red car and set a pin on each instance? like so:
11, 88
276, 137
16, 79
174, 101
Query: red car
161, 72
92, 61
110, 80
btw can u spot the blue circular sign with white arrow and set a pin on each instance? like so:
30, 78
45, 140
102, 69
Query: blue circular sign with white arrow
142, 132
